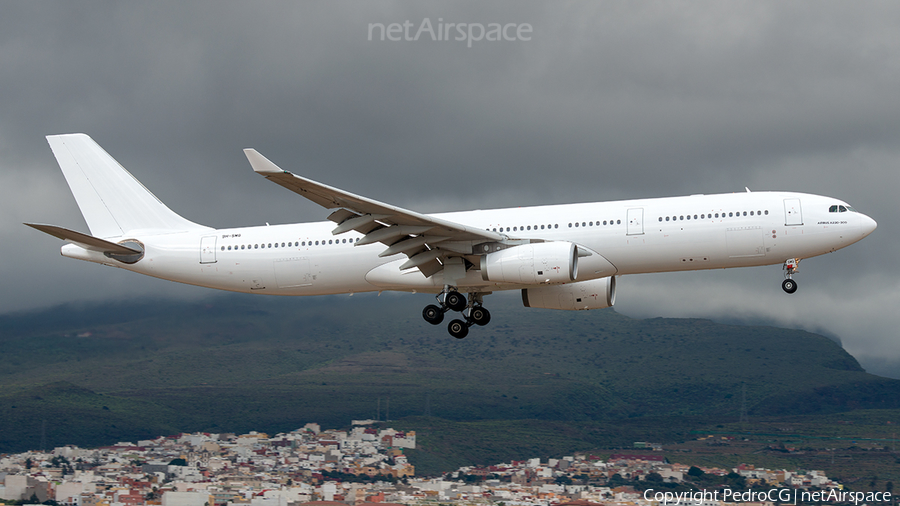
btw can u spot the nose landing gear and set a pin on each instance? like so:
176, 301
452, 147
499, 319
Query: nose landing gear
472, 310
790, 268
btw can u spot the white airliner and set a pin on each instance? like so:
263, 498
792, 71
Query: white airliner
560, 256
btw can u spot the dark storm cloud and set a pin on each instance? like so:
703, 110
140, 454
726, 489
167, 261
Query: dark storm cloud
608, 100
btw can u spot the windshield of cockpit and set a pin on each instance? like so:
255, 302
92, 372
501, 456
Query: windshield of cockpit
841, 208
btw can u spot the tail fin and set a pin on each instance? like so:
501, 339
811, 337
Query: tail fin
112, 201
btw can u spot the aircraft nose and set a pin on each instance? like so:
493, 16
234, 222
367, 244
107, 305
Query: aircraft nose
867, 225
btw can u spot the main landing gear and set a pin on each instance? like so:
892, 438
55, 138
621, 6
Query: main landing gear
451, 300
790, 268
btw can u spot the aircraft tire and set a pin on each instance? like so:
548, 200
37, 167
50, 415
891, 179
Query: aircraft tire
458, 329
480, 316
789, 286
433, 314
455, 300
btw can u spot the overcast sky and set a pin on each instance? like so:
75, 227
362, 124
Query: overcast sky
607, 100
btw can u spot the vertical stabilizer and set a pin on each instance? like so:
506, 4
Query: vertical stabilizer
112, 201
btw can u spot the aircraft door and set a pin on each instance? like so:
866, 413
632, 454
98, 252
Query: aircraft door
635, 221
208, 249
793, 215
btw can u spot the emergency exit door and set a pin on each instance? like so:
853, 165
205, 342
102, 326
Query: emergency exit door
635, 224
208, 249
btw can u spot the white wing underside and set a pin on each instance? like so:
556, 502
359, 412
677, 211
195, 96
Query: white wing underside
427, 241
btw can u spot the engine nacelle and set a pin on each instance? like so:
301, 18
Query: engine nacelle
591, 294
532, 264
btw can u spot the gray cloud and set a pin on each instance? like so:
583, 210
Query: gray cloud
609, 100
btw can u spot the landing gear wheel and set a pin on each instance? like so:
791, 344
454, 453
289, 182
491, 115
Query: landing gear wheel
480, 316
789, 286
433, 314
455, 300
458, 329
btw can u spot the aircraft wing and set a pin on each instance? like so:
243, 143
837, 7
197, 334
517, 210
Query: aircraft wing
424, 239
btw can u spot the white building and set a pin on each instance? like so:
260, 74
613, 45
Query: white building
171, 498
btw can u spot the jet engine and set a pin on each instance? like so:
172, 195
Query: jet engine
591, 294
532, 264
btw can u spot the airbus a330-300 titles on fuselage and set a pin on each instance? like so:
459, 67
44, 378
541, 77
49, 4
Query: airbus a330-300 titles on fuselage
560, 256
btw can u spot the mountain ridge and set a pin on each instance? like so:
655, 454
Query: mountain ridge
234, 363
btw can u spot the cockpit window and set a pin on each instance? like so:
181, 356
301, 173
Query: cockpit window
841, 209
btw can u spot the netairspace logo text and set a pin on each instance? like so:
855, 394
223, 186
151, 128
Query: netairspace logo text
468, 32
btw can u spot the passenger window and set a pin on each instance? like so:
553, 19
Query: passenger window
745, 213
767, 212
542, 227
223, 248
667, 218
730, 215
702, 216
695, 216
660, 218
682, 218
618, 222
689, 217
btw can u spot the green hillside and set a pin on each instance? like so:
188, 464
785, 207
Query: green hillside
91, 374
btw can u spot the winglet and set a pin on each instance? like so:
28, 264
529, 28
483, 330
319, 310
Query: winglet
261, 164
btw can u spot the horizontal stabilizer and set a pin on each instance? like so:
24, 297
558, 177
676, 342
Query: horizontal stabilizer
84, 240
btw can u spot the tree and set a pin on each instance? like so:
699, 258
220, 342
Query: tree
563, 480
695, 471
654, 477
736, 481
